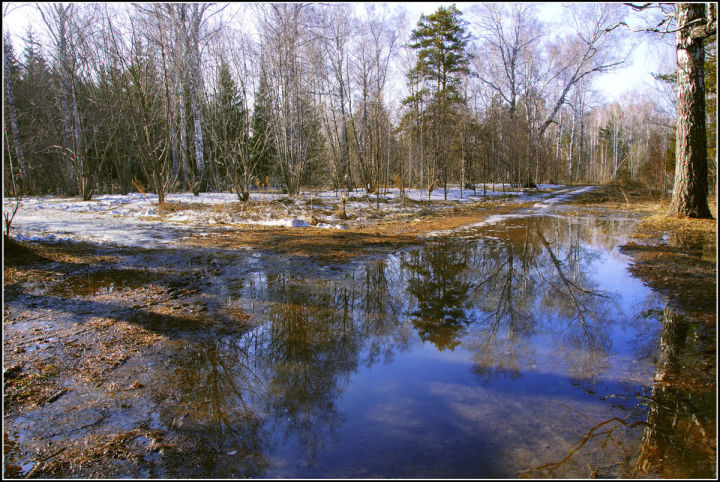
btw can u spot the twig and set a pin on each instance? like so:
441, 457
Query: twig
627, 201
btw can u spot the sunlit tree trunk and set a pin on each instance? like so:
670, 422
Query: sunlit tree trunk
690, 189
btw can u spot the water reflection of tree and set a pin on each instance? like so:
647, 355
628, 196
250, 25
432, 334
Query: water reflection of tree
381, 303
313, 347
533, 280
218, 409
437, 283
582, 307
319, 331
679, 429
505, 293
679, 440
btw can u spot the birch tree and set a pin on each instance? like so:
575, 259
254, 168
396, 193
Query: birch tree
58, 19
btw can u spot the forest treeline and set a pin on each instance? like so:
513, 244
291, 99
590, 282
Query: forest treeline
172, 97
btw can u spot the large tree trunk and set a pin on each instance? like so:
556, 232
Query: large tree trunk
690, 189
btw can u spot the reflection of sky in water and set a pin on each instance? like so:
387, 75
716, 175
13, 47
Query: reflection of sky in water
479, 358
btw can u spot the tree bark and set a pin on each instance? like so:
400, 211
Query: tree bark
690, 189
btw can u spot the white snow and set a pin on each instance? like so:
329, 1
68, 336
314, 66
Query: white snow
133, 219
563, 195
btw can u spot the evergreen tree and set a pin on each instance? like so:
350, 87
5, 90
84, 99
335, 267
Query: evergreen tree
38, 123
263, 150
230, 135
441, 39
11, 73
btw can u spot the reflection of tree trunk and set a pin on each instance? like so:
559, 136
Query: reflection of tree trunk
667, 401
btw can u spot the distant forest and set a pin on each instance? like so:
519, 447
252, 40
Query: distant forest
169, 97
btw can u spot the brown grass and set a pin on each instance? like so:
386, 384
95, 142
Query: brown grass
383, 233
624, 195
686, 228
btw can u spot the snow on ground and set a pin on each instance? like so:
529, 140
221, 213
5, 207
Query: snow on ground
134, 219
562, 196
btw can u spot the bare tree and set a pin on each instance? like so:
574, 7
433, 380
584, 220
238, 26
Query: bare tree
59, 19
287, 35
591, 50
339, 27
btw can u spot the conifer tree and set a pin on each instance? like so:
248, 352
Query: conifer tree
229, 128
263, 151
441, 39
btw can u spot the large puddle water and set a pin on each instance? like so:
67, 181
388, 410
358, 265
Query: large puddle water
522, 348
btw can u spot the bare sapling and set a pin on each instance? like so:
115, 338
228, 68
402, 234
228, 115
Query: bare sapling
16, 194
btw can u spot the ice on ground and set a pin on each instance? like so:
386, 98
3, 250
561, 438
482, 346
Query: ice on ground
562, 196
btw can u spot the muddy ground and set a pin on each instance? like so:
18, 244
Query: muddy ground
88, 330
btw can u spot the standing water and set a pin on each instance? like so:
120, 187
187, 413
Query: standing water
523, 349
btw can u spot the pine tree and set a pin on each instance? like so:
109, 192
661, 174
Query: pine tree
441, 39
694, 25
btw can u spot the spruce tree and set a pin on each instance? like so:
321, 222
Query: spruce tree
230, 134
261, 142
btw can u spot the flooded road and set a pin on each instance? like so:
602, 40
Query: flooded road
518, 348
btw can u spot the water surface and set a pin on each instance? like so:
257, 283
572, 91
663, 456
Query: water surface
519, 349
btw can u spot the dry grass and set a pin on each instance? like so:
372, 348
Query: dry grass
623, 195
99, 455
32, 386
386, 232
660, 221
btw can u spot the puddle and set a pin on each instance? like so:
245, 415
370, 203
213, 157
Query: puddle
523, 348
14, 465
493, 356
102, 282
